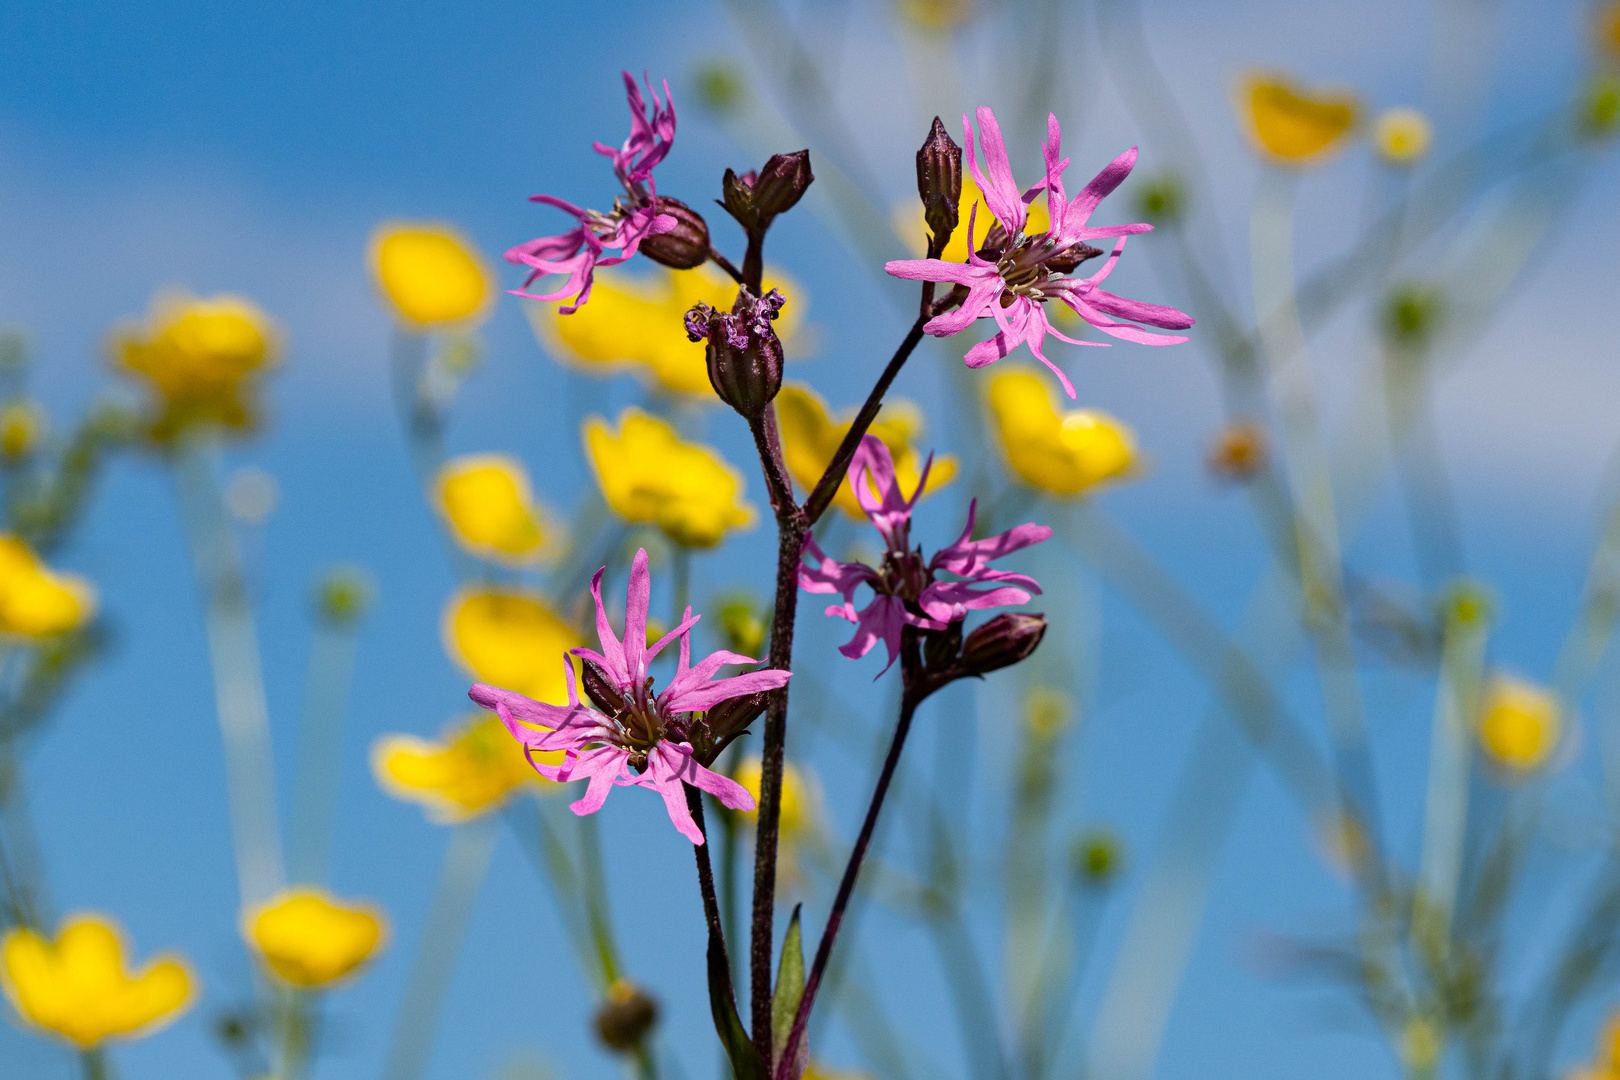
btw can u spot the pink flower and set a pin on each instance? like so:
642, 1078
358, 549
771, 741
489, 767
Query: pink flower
906, 591
634, 217
628, 737
1013, 275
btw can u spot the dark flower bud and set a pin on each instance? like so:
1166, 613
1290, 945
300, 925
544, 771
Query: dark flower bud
734, 714
684, 247
755, 199
1065, 261
627, 1015
1097, 857
940, 647
600, 689
744, 354
1002, 642
939, 183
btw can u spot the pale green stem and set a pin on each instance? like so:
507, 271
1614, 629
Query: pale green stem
233, 647
466, 859
320, 750
1450, 760
96, 1065
681, 558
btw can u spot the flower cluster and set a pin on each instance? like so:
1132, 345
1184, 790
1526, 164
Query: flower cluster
627, 736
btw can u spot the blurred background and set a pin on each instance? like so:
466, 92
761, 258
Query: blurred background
254, 149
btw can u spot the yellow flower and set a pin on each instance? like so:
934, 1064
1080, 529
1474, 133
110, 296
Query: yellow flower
1402, 135
198, 356
431, 273
935, 16
1519, 724
1607, 29
810, 438
310, 939
473, 769
511, 639
800, 795
913, 229
486, 501
641, 321
647, 474
78, 988
1064, 453
1238, 451
34, 601
1295, 126
815, 1070
21, 423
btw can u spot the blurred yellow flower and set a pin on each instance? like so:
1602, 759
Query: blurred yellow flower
1293, 125
78, 987
511, 639
1402, 135
1519, 724
640, 321
810, 438
34, 601
1607, 29
913, 229
474, 768
935, 16
648, 475
21, 424
1064, 453
310, 939
1238, 451
486, 501
800, 795
430, 273
198, 356
817, 1071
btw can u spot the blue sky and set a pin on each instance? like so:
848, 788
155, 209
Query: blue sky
252, 149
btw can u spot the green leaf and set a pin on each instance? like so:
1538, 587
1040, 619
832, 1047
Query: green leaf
745, 1060
789, 989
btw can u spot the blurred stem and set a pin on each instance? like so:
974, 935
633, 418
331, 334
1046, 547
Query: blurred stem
320, 749
294, 1014
681, 558
598, 909
238, 677
95, 1065
1436, 535
1282, 341
466, 859
21, 873
550, 859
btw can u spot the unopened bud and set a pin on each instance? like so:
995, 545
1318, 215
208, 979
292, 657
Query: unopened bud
600, 689
1002, 642
343, 594
1097, 858
1412, 314
627, 1015
21, 424
744, 354
734, 714
684, 247
940, 647
1238, 451
755, 198
1065, 261
939, 183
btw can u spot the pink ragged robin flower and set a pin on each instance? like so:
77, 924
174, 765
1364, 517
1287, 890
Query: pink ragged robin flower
1013, 275
627, 736
636, 215
906, 590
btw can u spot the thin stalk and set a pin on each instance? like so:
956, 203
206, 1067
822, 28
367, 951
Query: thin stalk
238, 677
466, 860
95, 1065
598, 909
320, 749
681, 559
726, 264
846, 886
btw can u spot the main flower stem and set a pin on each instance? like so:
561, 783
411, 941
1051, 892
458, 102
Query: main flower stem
846, 887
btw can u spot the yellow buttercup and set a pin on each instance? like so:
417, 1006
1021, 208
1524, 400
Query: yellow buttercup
486, 501
650, 475
474, 768
810, 439
77, 987
971, 209
36, 602
309, 939
1065, 453
431, 274
509, 638
1519, 725
1293, 125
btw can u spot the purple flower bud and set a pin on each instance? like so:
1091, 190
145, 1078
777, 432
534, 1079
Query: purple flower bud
755, 199
744, 355
734, 714
684, 247
939, 183
1002, 642
600, 689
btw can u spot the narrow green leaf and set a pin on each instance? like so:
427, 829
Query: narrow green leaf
745, 1062
789, 989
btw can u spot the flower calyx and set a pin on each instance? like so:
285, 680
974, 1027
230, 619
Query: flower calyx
756, 198
686, 245
939, 185
946, 655
744, 354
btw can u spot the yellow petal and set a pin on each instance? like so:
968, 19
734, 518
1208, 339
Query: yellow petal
307, 938
649, 475
473, 769
1063, 453
510, 639
431, 273
486, 501
1520, 724
1293, 125
971, 209
640, 322
34, 601
78, 988
799, 794
1402, 135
